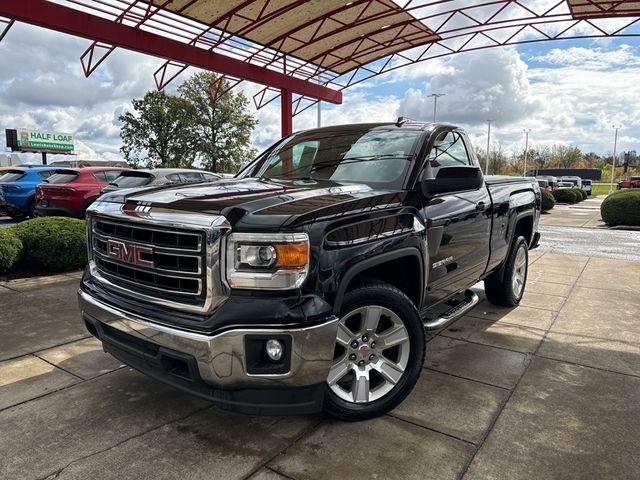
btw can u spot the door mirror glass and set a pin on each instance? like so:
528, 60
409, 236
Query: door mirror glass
453, 179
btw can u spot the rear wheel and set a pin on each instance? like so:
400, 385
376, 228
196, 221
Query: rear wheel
17, 216
378, 354
508, 290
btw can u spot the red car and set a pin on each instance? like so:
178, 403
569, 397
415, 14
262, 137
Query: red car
632, 182
69, 191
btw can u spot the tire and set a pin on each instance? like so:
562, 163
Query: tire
18, 217
368, 381
509, 290
32, 210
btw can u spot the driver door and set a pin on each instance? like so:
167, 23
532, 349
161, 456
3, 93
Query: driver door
459, 224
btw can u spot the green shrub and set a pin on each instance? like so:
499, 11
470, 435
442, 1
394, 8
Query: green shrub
580, 194
565, 195
54, 242
548, 202
577, 192
10, 248
622, 208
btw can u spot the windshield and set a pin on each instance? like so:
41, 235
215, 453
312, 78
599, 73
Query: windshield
373, 156
62, 176
11, 176
132, 179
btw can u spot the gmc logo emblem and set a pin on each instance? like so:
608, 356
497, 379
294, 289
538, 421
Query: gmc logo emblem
129, 253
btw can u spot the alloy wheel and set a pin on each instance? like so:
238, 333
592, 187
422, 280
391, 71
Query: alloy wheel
519, 271
371, 354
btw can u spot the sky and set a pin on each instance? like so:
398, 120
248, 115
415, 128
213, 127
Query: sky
567, 92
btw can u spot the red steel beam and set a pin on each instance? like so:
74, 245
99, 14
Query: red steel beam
74, 22
286, 112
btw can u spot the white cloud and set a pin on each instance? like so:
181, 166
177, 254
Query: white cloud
566, 95
479, 86
591, 58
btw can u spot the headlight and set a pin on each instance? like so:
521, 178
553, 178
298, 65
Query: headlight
278, 261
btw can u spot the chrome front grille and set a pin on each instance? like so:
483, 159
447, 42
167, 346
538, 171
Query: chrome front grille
171, 270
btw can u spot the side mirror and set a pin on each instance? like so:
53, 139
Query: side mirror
453, 179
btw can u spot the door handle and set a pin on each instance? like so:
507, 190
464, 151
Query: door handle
480, 206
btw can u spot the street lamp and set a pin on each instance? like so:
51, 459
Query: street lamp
435, 103
613, 160
526, 149
486, 167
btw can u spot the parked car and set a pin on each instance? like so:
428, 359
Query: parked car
81, 163
544, 185
159, 176
307, 281
552, 181
575, 181
69, 191
587, 186
631, 182
18, 190
563, 184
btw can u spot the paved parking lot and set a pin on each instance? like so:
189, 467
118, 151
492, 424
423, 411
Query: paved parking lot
547, 390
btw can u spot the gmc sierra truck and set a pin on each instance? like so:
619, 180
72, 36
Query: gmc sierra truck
308, 280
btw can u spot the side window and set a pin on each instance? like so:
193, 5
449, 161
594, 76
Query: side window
448, 150
111, 175
46, 173
174, 177
210, 177
188, 177
100, 176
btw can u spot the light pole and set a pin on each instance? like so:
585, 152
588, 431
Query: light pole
526, 149
613, 160
486, 167
435, 103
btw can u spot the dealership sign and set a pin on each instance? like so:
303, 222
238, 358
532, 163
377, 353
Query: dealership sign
38, 141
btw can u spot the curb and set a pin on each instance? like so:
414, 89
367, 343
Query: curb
631, 228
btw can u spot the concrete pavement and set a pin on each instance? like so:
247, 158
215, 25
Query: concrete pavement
546, 390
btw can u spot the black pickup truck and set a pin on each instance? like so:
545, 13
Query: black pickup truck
307, 281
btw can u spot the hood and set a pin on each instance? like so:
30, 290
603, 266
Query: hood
262, 203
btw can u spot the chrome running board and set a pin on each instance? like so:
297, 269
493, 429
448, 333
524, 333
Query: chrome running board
470, 301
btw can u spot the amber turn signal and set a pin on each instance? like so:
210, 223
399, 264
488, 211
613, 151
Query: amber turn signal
292, 254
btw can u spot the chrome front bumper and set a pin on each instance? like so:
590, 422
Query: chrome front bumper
220, 358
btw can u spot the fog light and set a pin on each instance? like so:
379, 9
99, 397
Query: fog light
274, 349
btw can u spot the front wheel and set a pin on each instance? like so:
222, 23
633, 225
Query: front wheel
379, 352
508, 290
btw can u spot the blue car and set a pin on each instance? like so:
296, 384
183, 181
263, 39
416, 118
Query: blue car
18, 190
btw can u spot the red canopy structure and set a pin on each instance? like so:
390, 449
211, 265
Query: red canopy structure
306, 51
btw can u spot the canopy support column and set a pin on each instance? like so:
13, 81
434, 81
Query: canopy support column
286, 112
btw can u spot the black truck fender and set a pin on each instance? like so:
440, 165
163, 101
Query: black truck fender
407, 252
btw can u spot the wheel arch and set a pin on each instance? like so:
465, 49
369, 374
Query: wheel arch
410, 279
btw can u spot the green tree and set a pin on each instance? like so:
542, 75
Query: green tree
563, 156
221, 129
157, 133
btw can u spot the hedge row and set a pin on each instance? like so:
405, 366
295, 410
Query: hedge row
622, 208
548, 202
570, 195
10, 249
55, 243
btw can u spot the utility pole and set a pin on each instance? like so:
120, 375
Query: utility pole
319, 113
486, 166
613, 160
435, 103
526, 149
